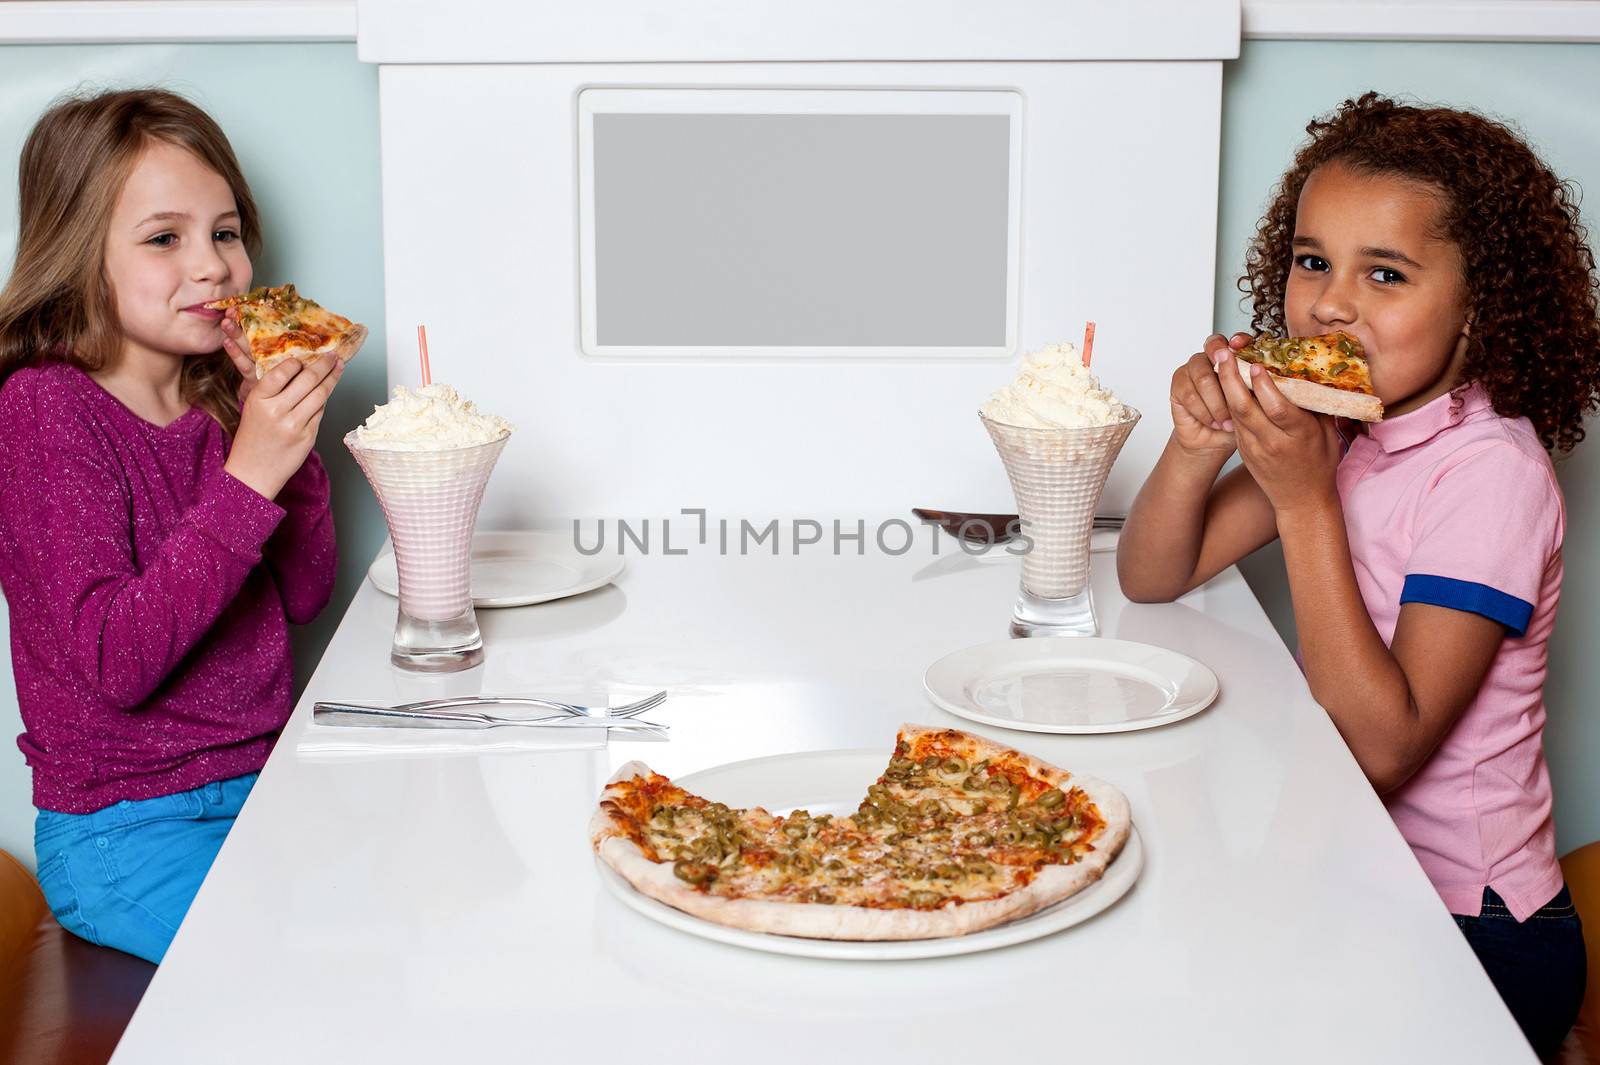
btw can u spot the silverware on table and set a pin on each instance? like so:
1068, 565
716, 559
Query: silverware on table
329, 713
990, 528
649, 702
458, 712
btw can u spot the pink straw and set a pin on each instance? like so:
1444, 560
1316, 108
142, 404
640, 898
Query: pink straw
1088, 344
422, 351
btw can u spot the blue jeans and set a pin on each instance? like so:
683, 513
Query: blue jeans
1539, 966
124, 876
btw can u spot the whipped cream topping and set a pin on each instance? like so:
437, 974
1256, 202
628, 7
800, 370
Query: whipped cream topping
1054, 390
431, 418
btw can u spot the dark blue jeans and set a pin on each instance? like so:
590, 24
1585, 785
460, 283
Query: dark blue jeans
1538, 966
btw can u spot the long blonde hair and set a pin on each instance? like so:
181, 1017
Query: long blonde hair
58, 305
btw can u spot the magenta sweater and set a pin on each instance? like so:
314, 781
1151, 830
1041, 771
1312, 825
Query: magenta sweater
150, 593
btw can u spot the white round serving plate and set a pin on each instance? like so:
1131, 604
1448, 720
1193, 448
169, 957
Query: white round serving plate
1070, 684
518, 568
835, 782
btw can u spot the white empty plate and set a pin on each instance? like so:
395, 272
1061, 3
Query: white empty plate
835, 782
518, 568
1070, 684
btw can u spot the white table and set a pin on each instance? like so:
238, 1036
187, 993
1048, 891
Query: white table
446, 909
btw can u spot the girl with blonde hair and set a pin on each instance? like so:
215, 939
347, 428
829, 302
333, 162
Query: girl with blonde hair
163, 517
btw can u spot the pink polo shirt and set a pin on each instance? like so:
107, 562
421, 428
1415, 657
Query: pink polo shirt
1454, 505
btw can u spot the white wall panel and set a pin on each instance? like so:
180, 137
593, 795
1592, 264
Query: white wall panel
1119, 200
495, 31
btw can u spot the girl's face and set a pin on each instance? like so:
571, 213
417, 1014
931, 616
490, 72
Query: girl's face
173, 245
1368, 260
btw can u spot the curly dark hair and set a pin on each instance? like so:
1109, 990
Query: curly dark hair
1530, 274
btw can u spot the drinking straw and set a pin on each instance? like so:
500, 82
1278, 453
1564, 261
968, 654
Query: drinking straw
1088, 344
422, 351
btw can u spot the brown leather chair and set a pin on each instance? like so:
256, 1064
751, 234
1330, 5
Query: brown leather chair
1582, 870
62, 1001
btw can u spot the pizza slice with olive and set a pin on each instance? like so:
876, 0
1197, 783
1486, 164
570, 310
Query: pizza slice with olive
278, 323
956, 835
1328, 374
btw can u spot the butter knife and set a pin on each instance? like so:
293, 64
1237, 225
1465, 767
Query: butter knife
989, 528
327, 713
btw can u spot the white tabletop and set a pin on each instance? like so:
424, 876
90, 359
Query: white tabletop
447, 908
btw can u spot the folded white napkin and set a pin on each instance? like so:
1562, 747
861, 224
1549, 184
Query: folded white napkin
342, 741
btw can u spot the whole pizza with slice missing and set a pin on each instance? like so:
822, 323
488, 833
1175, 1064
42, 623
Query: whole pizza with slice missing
279, 323
1327, 374
958, 834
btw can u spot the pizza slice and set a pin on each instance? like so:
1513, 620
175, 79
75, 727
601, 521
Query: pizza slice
278, 323
958, 834
1328, 374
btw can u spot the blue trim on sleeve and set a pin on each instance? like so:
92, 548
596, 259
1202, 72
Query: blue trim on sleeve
1470, 596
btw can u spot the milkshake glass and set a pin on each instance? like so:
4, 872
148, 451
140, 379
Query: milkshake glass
1057, 476
429, 486
1058, 432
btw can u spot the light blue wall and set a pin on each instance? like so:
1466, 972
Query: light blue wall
323, 233
303, 120
1549, 92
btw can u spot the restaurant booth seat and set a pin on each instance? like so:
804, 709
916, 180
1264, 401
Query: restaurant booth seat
1582, 871
63, 1001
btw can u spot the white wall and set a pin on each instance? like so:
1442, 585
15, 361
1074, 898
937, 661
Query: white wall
479, 168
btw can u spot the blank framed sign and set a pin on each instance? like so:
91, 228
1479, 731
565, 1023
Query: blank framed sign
808, 222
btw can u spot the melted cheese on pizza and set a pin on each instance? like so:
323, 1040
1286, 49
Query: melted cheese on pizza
278, 321
929, 831
1335, 359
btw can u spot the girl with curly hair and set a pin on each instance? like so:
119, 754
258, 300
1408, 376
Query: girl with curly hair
1424, 550
163, 517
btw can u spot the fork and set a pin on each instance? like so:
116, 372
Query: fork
633, 709
353, 714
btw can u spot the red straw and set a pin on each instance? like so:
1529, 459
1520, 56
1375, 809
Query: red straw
1088, 344
422, 351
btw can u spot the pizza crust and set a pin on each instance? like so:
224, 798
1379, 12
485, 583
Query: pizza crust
341, 347
812, 920
1323, 399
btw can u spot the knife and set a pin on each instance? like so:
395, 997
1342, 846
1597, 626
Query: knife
389, 717
990, 528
